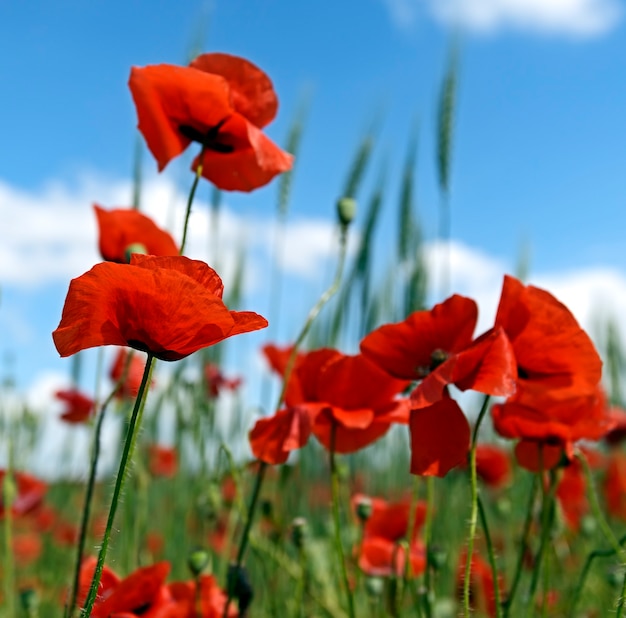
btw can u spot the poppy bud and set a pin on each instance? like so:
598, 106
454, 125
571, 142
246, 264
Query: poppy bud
198, 561
364, 508
210, 502
29, 600
135, 247
239, 584
299, 532
346, 210
267, 508
374, 586
437, 557
588, 526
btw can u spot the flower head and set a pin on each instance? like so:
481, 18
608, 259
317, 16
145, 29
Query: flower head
220, 101
78, 406
127, 372
167, 306
121, 229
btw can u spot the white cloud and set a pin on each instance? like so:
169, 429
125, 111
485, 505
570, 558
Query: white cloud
50, 235
573, 17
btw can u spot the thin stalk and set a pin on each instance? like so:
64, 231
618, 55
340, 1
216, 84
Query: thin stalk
129, 446
474, 509
523, 547
428, 532
492, 558
334, 477
86, 513
620, 601
8, 495
192, 193
547, 518
407, 572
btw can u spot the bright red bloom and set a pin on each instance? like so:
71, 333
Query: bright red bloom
27, 547
273, 438
572, 494
411, 349
212, 599
617, 434
143, 593
390, 520
121, 228
278, 358
217, 382
108, 581
220, 101
556, 359
493, 465
79, 407
129, 365
167, 306
440, 438
536, 456
554, 421
162, 460
482, 588
615, 485
350, 400
379, 557
30, 492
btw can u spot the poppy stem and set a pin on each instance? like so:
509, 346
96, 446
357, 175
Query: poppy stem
8, 491
492, 558
408, 571
547, 519
192, 193
91, 482
474, 509
428, 595
127, 453
604, 526
523, 547
334, 487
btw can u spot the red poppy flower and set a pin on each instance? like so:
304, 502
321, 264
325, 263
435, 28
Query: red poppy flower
482, 588
278, 358
536, 456
162, 461
553, 421
440, 438
380, 557
141, 593
615, 485
273, 438
212, 599
572, 494
493, 465
220, 101
556, 359
390, 520
27, 547
130, 366
167, 306
350, 400
217, 382
79, 407
617, 434
108, 581
30, 492
125, 229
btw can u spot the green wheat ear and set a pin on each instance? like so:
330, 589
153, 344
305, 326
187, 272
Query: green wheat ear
445, 119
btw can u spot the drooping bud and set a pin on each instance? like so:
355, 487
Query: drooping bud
374, 586
199, 561
346, 210
299, 532
238, 583
364, 508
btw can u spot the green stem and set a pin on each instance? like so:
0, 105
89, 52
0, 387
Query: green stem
620, 601
129, 446
523, 547
91, 483
547, 518
474, 509
8, 495
334, 477
492, 558
246, 533
192, 193
429, 591
409, 536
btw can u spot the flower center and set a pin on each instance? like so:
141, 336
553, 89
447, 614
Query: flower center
437, 357
211, 140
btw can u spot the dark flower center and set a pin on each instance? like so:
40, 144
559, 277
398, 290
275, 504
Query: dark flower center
211, 140
437, 357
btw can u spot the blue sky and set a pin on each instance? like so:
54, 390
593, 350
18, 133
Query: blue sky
539, 148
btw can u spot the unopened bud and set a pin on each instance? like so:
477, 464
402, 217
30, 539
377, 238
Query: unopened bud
198, 561
364, 508
29, 599
299, 532
374, 586
346, 210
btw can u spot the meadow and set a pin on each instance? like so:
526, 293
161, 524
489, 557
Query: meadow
372, 485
